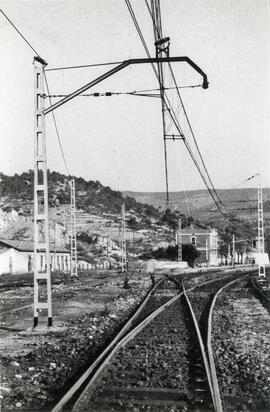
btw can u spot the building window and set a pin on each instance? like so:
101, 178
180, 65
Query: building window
193, 240
62, 262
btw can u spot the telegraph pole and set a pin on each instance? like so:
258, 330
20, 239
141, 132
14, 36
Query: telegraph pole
123, 240
73, 231
41, 215
261, 267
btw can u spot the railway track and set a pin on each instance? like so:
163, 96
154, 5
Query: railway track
161, 360
264, 292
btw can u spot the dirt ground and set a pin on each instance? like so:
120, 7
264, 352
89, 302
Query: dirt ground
37, 367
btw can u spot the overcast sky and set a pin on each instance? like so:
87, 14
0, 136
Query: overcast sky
118, 140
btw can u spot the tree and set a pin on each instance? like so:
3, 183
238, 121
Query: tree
171, 219
189, 254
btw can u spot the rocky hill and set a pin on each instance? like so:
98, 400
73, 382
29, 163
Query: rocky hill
239, 207
98, 216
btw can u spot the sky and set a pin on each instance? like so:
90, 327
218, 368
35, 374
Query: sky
118, 140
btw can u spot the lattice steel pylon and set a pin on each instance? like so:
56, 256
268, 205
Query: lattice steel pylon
41, 216
261, 267
73, 230
123, 240
179, 241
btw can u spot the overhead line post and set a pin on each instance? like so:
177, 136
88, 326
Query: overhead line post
179, 241
123, 241
73, 231
41, 215
261, 265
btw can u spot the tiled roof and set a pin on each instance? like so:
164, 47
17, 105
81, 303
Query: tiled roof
27, 246
194, 229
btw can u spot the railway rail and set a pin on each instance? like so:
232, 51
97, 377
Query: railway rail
155, 366
264, 292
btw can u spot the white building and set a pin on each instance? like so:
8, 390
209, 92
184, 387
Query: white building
16, 256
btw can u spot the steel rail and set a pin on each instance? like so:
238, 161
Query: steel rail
63, 401
117, 342
98, 373
218, 403
202, 347
260, 290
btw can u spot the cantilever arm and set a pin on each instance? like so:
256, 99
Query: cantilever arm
121, 66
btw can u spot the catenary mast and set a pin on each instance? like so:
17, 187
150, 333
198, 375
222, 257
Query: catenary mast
261, 268
41, 211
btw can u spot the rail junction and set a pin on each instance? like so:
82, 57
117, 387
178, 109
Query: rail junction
162, 359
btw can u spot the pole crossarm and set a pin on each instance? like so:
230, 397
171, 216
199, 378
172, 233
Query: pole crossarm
121, 66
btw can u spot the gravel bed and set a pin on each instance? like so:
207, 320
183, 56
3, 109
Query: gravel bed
241, 342
47, 365
158, 358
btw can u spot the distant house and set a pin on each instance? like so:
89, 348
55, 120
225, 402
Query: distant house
260, 258
206, 241
16, 256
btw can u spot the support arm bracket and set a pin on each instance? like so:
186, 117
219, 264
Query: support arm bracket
121, 66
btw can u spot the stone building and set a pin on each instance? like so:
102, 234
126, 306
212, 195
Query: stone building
206, 241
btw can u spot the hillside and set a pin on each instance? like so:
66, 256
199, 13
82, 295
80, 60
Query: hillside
98, 216
239, 205
91, 196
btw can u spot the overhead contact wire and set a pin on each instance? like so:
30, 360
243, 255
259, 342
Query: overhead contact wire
18, 31
82, 66
170, 110
56, 127
192, 133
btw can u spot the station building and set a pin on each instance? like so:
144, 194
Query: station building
16, 256
206, 241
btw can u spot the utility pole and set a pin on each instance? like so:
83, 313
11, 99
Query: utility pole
41, 215
233, 250
179, 241
261, 267
123, 240
73, 231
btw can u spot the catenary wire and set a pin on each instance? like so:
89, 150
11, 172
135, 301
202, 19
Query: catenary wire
56, 127
18, 31
82, 66
54, 120
158, 13
170, 109
132, 93
191, 130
